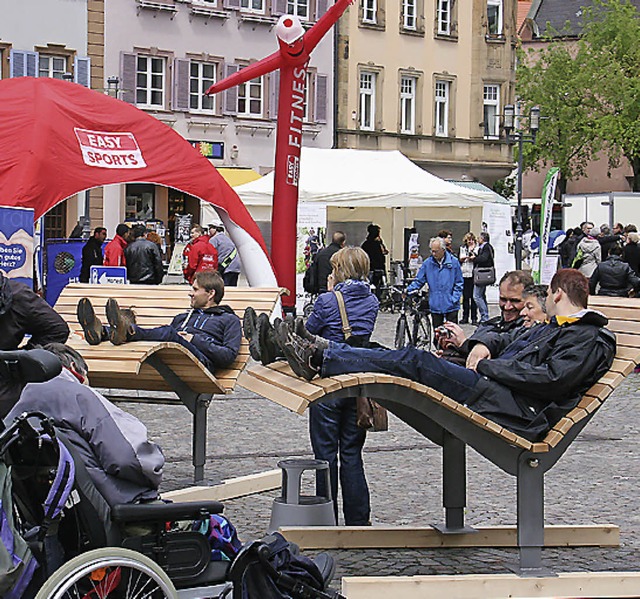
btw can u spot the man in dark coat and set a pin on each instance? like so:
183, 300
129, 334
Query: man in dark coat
22, 312
144, 260
615, 277
322, 260
376, 250
524, 381
211, 332
92, 253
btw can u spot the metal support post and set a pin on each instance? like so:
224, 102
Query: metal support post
530, 513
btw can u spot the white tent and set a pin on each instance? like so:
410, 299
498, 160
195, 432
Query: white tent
366, 178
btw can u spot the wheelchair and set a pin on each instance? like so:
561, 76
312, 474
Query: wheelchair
79, 547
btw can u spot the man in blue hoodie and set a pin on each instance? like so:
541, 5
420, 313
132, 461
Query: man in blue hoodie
210, 331
442, 273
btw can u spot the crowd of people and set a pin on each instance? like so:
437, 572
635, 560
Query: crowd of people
140, 251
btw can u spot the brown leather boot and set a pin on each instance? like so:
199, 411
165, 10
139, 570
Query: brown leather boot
120, 322
90, 323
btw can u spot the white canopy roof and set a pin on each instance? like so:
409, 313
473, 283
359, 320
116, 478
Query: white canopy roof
367, 178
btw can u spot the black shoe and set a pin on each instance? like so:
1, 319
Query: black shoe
269, 349
298, 352
90, 323
464, 321
250, 330
120, 322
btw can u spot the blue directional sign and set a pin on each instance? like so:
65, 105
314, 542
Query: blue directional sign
108, 275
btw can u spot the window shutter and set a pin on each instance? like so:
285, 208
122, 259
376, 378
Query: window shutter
278, 7
321, 8
321, 98
23, 63
235, 4
274, 93
180, 97
231, 95
82, 70
128, 76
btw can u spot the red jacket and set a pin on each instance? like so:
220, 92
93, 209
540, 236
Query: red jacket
199, 255
114, 252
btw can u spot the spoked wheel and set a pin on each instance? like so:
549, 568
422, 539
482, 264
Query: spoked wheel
422, 332
402, 338
109, 573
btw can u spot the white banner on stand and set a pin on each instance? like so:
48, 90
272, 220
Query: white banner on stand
312, 226
496, 220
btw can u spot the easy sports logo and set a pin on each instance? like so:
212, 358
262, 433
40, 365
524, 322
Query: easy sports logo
109, 150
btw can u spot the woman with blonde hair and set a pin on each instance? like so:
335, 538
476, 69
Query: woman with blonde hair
467, 254
332, 424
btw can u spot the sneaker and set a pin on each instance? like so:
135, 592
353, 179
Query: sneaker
90, 323
269, 348
297, 351
250, 330
120, 322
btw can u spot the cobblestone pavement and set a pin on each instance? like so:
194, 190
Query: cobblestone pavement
595, 482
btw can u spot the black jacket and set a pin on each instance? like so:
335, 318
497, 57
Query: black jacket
484, 259
616, 278
323, 265
144, 262
536, 377
607, 242
22, 312
631, 255
91, 256
568, 249
373, 247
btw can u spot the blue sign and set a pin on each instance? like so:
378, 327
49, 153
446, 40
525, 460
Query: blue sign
63, 263
108, 275
16, 243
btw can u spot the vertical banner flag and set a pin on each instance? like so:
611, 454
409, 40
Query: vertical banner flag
548, 193
16, 244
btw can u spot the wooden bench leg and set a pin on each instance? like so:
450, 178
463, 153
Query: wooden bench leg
530, 515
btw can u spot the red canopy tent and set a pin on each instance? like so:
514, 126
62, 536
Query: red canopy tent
59, 138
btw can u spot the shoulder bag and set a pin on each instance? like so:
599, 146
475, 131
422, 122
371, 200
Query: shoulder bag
369, 414
484, 275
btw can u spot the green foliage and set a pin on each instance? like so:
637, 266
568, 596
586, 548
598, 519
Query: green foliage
506, 187
588, 91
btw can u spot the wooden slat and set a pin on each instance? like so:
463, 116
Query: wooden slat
624, 367
599, 391
540, 447
289, 400
577, 414
590, 404
563, 425
295, 385
553, 438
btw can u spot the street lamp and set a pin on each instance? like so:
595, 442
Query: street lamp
514, 135
113, 86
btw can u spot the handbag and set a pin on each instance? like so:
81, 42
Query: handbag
370, 415
484, 275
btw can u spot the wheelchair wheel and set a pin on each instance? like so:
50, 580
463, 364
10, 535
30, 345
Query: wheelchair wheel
109, 573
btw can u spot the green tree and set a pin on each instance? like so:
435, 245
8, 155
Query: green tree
557, 79
612, 38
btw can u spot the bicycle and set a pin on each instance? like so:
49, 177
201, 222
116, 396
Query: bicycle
413, 326
309, 301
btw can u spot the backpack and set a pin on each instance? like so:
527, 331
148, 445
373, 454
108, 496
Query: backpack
310, 281
578, 260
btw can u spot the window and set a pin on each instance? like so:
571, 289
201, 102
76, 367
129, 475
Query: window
150, 81
491, 111
369, 9
300, 8
252, 5
442, 108
444, 17
407, 105
367, 100
202, 75
494, 17
409, 16
250, 98
52, 66
140, 201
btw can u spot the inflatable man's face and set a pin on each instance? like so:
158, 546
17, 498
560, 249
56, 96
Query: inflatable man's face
290, 36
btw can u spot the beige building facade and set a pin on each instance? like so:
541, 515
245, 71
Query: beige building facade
429, 78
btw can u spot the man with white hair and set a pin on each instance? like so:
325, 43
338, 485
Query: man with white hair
442, 273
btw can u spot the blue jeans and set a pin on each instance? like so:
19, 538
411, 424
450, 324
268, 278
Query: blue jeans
168, 333
415, 364
333, 430
480, 298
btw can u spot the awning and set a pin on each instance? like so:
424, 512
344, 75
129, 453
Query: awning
238, 176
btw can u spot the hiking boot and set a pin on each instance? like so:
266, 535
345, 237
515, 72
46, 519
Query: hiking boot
120, 322
250, 330
90, 323
300, 330
297, 351
269, 348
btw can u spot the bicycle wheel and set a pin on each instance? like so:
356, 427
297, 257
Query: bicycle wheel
109, 573
402, 338
422, 331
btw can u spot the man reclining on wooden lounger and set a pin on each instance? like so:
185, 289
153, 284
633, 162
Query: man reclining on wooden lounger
525, 382
211, 332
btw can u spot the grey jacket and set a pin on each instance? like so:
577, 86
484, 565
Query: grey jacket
123, 464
